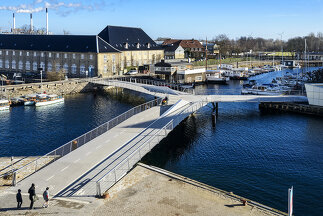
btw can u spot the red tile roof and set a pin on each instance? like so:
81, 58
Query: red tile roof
185, 43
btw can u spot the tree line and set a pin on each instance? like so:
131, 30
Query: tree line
229, 46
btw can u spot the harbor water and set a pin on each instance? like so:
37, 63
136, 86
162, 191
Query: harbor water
255, 155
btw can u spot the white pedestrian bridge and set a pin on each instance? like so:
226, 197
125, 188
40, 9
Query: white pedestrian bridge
90, 164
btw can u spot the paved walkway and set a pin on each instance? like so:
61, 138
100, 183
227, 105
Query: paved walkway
74, 175
147, 191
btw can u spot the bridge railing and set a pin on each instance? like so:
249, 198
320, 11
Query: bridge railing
177, 87
239, 92
65, 149
124, 165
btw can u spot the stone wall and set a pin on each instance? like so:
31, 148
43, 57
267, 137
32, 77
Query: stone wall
59, 88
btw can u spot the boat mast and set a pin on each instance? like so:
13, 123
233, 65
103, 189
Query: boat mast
206, 55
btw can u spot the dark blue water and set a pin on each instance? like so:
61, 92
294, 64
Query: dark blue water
33, 130
255, 155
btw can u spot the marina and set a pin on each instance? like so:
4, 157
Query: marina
163, 114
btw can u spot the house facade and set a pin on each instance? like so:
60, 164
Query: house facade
192, 48
174, 51
107, 54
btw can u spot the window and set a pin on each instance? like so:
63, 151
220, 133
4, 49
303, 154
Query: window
27, 53
0, 63
20, 65
91, 56
49, 55
105, 70
82, 56
7, 52
42, 65
27, 65
113, 58
42, 54
0, 52
13, 53
35, 54
126, 45
6, 64
35, 66
138, 45
105, 58
13, 64
65, 68
57, 55
49, 66
20, 53
148, 45
57, 67
82, 70
198, 78
73, 68
73, 55
65, 55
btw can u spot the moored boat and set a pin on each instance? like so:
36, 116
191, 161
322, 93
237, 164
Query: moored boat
214, 76
4, 105
262, 90
44, 100
30, 100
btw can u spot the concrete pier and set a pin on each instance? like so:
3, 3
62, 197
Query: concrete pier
147, 190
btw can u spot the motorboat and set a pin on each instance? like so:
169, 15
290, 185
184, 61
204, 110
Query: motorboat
215, 76
262, 90
4, 104
44, 100
30, 100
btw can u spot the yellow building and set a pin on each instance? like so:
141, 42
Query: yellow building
110, 53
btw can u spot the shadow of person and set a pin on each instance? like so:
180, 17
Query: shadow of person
233, 205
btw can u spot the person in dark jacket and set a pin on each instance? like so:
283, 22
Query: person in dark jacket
19, 199
32, 195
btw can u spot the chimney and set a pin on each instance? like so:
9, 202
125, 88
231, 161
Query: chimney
46, 21
14, 23
31, 23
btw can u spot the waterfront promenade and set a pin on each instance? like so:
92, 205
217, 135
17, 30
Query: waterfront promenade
74, 175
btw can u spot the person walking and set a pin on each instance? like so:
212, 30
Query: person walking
46, 197
19, 199
32, 195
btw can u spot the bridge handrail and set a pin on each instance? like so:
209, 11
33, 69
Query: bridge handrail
173, 86
169, 126
68, 147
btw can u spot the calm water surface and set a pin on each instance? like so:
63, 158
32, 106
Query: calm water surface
33, 130
255, 155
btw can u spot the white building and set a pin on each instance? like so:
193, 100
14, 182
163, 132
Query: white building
315, 93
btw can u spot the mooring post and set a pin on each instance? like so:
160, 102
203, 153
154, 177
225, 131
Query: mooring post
217, 109
213, 119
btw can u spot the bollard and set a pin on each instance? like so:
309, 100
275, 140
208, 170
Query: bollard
98, 189
14, 179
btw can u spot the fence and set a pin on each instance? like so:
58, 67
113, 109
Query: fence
54, 155
121, 168
177, 87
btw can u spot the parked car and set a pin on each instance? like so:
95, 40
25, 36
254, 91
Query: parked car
132, 72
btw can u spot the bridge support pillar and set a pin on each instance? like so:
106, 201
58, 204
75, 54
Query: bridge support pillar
213, 119
216, 108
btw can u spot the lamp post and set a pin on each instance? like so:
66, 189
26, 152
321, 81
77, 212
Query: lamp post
41, 78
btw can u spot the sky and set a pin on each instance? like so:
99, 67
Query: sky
182, 19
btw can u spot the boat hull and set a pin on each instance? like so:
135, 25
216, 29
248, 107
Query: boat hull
4, 108
46, 103
29, 103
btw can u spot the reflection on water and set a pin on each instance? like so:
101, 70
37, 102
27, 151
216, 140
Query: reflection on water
255, 155
34, 130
